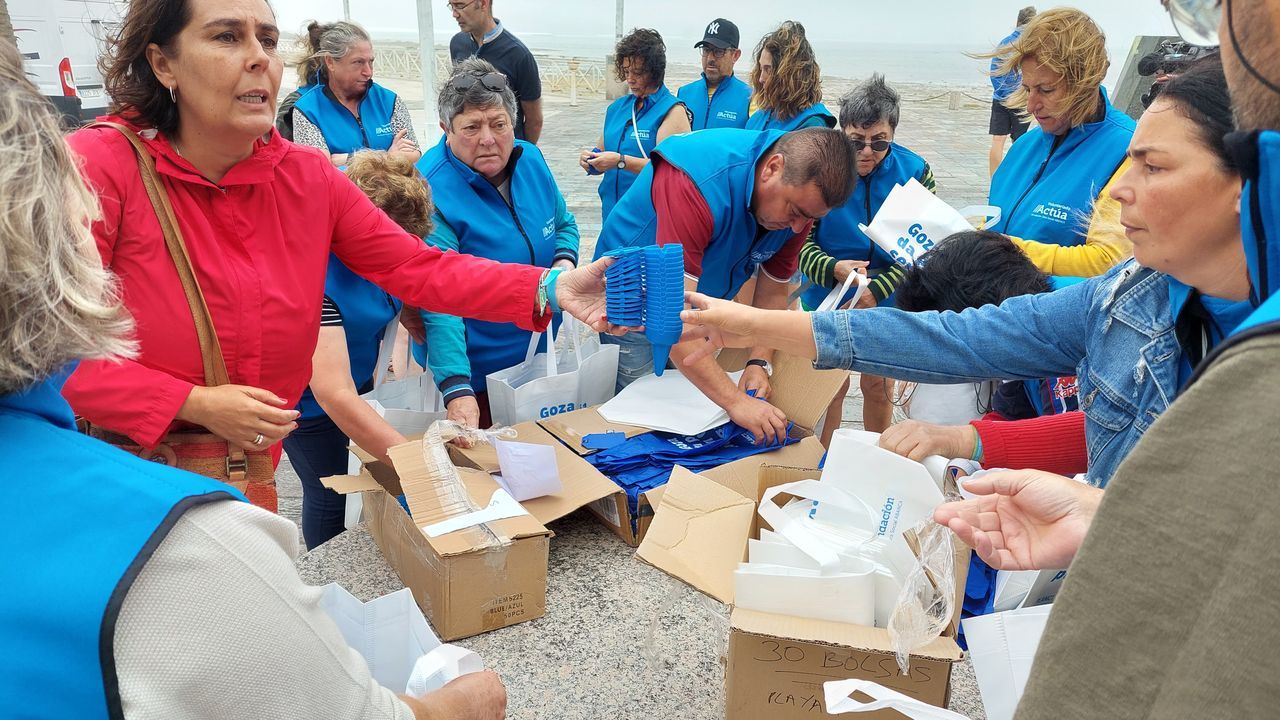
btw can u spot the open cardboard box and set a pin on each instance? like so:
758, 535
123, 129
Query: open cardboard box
468, 581
799, 390
777, 664
580, 484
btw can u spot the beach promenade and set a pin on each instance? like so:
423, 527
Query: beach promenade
621, 639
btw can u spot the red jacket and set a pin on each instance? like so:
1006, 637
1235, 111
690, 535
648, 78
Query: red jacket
1050, 442
259, 241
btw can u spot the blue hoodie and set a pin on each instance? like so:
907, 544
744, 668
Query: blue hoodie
1046, 185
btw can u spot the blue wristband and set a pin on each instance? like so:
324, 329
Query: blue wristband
549, 284
977, 445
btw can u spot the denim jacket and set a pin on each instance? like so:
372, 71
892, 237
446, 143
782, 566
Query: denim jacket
1115, 332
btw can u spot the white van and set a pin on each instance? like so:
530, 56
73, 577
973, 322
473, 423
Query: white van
60, 41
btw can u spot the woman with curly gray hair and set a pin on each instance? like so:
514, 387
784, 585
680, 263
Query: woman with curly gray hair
128, 580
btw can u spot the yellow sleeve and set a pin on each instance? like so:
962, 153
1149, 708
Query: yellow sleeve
1105, 244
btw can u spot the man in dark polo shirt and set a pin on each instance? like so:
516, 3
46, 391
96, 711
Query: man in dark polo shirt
484, 37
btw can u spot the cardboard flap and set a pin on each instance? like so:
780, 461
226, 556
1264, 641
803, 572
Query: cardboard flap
428, 506
348, 484
833, 633
572, 426
580, 483
799, 390
743, 476
699, 533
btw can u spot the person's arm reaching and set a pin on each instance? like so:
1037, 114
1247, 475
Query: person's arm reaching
338, 397
1053, 443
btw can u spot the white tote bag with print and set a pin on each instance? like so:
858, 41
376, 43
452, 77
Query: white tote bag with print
550, 383
911, 220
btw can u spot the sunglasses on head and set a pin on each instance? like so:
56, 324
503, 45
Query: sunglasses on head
494, 81
876, 145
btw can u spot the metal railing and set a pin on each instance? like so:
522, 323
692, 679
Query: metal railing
558, 73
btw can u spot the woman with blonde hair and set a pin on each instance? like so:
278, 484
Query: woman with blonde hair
129, 582
787, 83
353, 317
1052, 186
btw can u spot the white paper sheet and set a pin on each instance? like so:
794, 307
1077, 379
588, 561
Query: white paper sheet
1001, 647
501, 506
527, 470
668, 404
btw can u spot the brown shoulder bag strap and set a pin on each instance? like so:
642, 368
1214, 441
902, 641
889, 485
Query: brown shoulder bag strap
215, 365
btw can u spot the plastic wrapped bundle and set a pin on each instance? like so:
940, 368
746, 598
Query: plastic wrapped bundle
663, 300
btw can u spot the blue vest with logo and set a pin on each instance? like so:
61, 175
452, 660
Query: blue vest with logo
620, 137
765, 119
1046, 185
342, 131
366, 309
722, 163
728, 106
523, 232
87, 517
838, 234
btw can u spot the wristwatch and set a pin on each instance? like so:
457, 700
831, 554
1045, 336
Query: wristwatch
622, 161
768, 369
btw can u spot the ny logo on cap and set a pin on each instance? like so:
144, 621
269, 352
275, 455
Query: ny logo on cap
713, 28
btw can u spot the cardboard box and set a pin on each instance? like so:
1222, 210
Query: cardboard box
580, 483
798, 390
469, 581
777, 664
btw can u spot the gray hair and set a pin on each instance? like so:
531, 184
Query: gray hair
1026, 15
336, 40
869, 103
57, 302
453, 101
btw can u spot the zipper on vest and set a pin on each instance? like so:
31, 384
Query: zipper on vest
511, 208
1057, 141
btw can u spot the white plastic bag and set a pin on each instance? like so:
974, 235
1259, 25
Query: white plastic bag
911, 220
410, 404
550, 383
837, 701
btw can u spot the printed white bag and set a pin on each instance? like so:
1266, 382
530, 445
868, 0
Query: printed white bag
409, 405
911, 220
554, 382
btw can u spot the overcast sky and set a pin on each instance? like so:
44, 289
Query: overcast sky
880, 21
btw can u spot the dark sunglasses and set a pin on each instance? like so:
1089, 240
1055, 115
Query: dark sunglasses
494, 81
876, 145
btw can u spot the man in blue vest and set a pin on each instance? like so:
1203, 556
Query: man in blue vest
130, 586
738, 201
719, 99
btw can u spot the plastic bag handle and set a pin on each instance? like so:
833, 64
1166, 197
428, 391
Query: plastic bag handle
532, 352
828, 560
832, 300
990, 212
384, 352
836, 698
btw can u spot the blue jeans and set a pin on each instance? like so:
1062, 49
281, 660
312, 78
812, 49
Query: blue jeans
319, 449
635, 356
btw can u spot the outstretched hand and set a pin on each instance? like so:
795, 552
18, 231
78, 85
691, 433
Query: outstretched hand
1023, 519
580, 292
717, 323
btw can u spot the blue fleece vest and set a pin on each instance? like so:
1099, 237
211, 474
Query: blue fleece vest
765, 119
728, 106
722, 163
85, 519
342, 131
619, 137
366, 309
1046, 187
488, 227
838, 234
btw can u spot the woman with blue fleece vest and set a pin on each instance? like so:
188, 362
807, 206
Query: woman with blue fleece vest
787, 83
635, 123
495, 198
345, 111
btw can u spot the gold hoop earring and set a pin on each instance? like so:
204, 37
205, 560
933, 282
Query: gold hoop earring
173, 94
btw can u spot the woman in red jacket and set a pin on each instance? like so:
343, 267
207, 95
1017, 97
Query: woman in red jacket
259, 216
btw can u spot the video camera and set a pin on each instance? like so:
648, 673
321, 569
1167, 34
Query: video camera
1170, 58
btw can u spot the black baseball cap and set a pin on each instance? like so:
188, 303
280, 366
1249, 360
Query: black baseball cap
720, 34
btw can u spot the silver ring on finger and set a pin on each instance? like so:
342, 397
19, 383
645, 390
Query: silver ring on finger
257, 441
